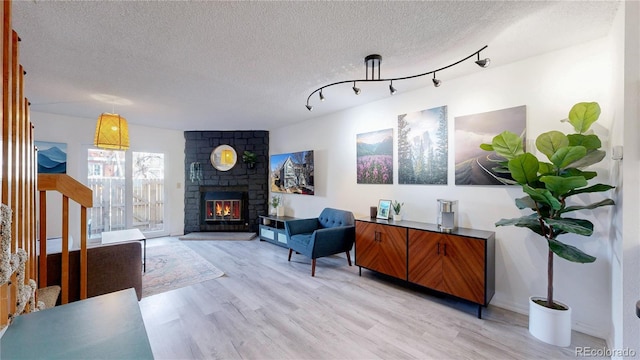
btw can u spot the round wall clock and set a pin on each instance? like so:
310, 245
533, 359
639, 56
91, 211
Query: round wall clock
223, 157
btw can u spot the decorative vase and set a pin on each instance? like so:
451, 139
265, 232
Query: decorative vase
397, 217
550, 325
280, 210
273, 211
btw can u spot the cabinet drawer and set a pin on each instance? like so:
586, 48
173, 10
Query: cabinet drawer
268, 234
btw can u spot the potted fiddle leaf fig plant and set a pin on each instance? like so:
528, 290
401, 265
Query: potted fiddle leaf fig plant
550, 186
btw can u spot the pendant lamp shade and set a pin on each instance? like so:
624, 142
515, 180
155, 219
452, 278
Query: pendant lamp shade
111, 132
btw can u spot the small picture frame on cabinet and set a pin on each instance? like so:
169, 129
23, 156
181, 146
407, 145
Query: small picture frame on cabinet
384, 209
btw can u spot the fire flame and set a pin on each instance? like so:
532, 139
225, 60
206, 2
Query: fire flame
220, 211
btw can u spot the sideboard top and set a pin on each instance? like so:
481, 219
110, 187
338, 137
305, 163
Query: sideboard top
480, 234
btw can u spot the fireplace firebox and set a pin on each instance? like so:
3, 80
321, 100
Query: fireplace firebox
223, 209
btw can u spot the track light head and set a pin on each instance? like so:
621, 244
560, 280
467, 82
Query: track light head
436, 82
309, 107
355, 89
484, 62
392, 90
321, 96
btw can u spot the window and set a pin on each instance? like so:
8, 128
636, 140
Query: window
95, 170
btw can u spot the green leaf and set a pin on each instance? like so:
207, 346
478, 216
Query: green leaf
591, 189
486, 147
605, 202
526, 203
567, 155
545, 168
559, 185
524, 168
550, 142
576, 172
569, 252
530, 222
574, 226
543, 196
507, 145
592, 157
583, 114
591, 142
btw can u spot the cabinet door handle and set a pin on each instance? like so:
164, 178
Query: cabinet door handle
445, 249
376, 236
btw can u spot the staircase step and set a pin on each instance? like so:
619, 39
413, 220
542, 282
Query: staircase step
48, 295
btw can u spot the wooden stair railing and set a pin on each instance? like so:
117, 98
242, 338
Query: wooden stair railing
76, 191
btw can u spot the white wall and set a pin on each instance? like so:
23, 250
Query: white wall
626, 289
548, 85
78, 134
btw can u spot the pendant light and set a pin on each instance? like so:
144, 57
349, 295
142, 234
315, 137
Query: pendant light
112, 132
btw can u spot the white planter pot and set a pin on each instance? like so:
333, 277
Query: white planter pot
397, 217
280, 211
550, 325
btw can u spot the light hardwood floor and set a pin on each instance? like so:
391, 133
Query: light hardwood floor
268, 308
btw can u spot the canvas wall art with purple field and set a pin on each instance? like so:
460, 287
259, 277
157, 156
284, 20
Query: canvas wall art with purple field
374, 154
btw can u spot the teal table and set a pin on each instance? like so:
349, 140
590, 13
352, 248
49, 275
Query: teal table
103, 327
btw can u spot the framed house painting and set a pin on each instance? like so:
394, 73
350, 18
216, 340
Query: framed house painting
292, 173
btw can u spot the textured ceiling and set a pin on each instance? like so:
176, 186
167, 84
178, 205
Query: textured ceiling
251, 65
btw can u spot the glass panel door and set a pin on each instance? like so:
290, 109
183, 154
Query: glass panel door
148, 191
106, 178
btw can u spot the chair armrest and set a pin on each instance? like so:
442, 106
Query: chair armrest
301, 226
329, 241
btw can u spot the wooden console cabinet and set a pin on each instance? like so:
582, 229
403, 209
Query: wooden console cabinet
382, 248
460, 263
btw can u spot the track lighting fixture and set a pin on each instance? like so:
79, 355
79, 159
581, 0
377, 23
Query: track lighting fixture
375, 60
436, 82
392, 90
355, 89
484, 62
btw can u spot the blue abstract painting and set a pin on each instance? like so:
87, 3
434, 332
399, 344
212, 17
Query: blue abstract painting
52, 157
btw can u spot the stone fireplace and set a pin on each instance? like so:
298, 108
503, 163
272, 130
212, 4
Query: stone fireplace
228, 200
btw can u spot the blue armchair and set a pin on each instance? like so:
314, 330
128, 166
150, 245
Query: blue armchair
330, 233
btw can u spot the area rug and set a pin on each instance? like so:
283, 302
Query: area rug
242, 236
174, 266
